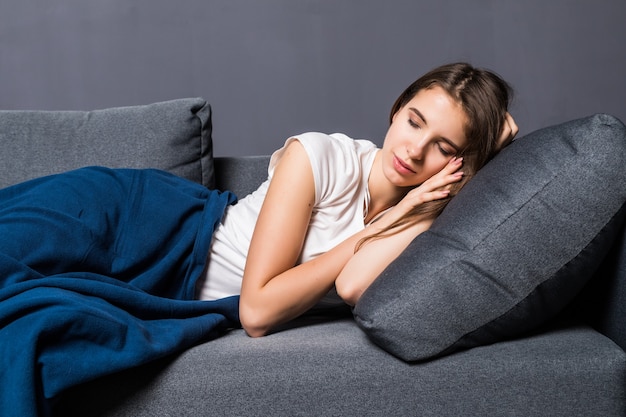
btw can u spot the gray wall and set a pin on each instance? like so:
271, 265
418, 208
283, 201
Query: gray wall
272, 68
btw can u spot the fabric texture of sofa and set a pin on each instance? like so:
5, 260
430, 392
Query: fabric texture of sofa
512, 304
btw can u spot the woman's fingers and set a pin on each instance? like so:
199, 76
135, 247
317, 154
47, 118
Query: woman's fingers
448, 175
437, 186
511, 122
509, 130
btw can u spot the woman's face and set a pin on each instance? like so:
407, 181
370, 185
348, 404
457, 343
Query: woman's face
423, 137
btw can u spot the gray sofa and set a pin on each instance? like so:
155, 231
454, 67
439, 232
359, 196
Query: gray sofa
522, 321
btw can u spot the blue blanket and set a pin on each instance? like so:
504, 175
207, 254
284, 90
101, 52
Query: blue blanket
98, 270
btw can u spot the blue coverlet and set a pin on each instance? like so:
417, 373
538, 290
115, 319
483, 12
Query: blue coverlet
98, 270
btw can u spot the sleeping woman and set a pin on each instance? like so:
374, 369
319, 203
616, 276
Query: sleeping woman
336, 211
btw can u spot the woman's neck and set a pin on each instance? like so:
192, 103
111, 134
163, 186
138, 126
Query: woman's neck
383, 194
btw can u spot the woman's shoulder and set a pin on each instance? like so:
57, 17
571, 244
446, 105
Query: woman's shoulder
330, 154
330, 151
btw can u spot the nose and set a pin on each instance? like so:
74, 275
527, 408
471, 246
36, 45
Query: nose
415, 150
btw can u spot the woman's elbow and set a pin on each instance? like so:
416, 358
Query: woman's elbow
253, 322
348, 292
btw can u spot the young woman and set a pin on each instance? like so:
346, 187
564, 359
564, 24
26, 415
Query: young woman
336, 211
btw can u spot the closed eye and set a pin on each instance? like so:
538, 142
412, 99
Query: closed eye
445, 151
413, 124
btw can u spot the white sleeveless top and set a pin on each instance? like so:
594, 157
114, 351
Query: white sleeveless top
341, 168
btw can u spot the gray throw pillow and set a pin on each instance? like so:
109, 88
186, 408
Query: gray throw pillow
173, 135
511, 250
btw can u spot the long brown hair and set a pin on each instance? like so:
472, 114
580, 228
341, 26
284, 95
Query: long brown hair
484, 96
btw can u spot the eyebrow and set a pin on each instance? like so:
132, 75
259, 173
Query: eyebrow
421, 116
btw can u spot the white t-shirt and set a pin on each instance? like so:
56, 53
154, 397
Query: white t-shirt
341, 168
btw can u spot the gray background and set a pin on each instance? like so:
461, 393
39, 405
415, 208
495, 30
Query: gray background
273, 68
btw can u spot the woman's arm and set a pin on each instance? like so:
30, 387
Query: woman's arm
371, 259
274, 290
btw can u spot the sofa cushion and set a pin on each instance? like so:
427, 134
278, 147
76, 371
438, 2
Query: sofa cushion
173, 135
511, 250
329, 369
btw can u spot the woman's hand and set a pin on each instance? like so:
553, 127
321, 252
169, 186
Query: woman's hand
435, 188
509, 130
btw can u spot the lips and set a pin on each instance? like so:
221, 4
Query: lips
402, 167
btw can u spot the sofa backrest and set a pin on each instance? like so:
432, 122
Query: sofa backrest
242, 174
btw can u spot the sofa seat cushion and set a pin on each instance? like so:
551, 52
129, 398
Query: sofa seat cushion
332, 369
511, 250
173, 135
